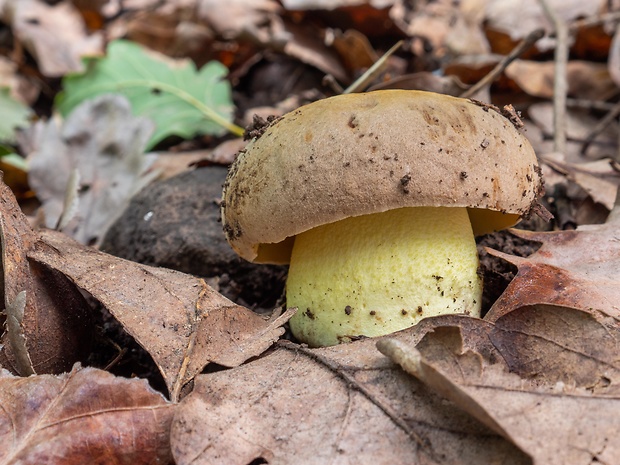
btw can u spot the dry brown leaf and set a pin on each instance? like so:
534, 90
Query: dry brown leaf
169, 164
167, 27
55, 35
431, 82
370, 17
333, 4
432, 21
467, 36
182, 322
259, 23
586, 80
341, 404
303, 43
518, 18
354, 49
551, 345
561, 409
247, 19
48, 327
85, 416
600, 178
579, 269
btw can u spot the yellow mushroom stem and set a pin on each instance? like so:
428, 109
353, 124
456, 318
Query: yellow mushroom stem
375, 274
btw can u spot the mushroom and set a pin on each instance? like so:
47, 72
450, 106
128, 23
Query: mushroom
374, 200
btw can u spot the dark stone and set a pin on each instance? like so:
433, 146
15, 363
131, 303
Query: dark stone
176, 224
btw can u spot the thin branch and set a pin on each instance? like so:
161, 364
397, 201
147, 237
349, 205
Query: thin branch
371, 73
560, 83
618, 154
515, 53
594, 20
600, 127
589, 104
352, 383
614, 214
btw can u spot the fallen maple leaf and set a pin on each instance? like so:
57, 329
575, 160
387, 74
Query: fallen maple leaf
579, 269
85, 416
181, 322
547, 401
341, 404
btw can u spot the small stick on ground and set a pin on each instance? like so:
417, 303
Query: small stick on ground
515, 53
614, 214
560, 84
618, 152
600, 127
589, 104
594, 20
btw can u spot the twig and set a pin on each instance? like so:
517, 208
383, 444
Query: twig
618, 152
515, 53
594, 20
372, 72
119, 355
614, 214
352, 383
330, 81
589, 104
560, 84
600, 127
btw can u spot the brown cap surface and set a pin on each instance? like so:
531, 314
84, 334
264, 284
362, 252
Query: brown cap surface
358, 154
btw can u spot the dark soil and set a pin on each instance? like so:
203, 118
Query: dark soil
497, 273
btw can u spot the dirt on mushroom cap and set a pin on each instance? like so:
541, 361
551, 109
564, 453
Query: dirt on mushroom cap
357, 154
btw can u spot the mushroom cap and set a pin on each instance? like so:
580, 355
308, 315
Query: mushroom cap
358, 154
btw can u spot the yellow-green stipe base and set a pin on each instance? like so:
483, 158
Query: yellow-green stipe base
375, 274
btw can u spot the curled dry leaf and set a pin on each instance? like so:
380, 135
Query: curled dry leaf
341, 404
85, 416
558, 398
48, 327
579, 269
181, 322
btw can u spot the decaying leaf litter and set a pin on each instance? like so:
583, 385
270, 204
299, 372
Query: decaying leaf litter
532, 382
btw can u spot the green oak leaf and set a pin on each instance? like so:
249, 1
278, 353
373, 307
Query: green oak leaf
180, 99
